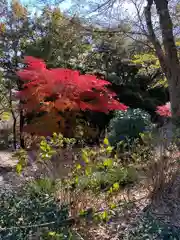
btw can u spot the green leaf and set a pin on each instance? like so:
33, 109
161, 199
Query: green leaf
18, 168
88, 171
76, 180
52, 234
55, 135
82, 212
85, 157
104, 215
106, 141
109, 149
116, 186
78, 166
6, 116
108, 162
110, 190
113, 206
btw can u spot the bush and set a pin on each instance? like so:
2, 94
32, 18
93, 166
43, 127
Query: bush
101, 170
128, 125
32, 210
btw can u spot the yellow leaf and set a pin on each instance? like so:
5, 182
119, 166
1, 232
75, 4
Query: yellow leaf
113, 205
52, 234
78, 166
106, 141
6, 116
85, 157
109, 149
116, 186
18, 168
104, 215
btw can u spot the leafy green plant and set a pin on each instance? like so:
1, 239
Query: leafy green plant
22, 157
128, 125
101, 170
23, 214
50, 146
138, 150
41, 186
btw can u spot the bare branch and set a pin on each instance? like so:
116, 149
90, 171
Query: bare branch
138, 10
106, 4
112, 31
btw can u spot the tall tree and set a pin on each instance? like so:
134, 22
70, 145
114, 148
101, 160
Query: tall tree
166, 52
14, 32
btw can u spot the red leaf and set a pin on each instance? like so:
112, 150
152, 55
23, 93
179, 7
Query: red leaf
164, 110
63, 90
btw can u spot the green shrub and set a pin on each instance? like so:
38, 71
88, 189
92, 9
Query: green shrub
48, 148
128, 125
139, 150
101, 170
32, 210
41, 186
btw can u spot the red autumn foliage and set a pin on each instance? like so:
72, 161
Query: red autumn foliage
61, 90
164, 110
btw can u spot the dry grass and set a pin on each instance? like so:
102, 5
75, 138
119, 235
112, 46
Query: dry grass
165, 194
163, 184
131, 203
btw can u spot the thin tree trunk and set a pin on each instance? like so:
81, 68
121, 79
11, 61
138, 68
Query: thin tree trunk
14, 119
14, 131
22, 142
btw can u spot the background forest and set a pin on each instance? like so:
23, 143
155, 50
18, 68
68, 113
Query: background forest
89, 117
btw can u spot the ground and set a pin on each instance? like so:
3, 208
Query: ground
137, 218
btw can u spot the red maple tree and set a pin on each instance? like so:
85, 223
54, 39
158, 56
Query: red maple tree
61, 90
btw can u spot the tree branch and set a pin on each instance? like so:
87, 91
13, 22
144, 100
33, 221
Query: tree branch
105, 4
138, 9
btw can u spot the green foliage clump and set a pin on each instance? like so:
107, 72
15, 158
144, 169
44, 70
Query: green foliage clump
101, 170
128, 125
140, 150
22, 157
48, 147
31, 212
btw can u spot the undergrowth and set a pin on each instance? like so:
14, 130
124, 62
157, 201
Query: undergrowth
31, 213
101, 170
148, 228
92, 190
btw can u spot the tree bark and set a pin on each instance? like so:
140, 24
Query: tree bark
14, 120
166, 52
22, 142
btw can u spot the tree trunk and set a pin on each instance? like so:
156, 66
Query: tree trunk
167, 52
14, 132
22, 142
171, 55
13, 116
